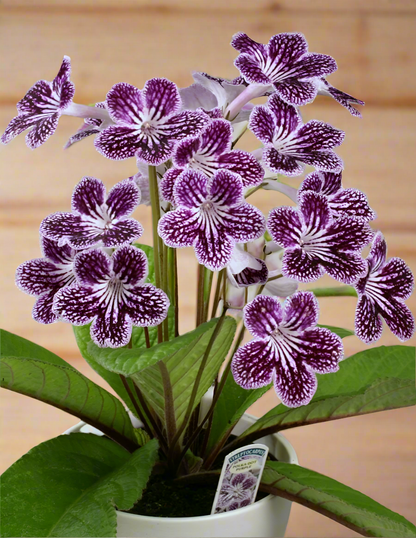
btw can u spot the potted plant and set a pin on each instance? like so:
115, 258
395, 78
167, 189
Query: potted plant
157, 449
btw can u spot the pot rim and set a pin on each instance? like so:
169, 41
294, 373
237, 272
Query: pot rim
223, 515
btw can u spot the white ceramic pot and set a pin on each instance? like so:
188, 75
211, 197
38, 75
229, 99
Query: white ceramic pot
265, 518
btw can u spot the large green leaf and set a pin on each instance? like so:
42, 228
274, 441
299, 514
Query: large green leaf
335, 500
71, 485
234, 401
372, 380
51, 380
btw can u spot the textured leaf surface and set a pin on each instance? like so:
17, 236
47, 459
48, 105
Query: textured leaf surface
335, 500
340, 331
70, 486
62, 386
372, 380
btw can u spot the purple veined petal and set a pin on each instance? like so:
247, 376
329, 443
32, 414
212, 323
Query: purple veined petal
123, 199
63, 227
346, 267
118, 142
130, 265
245, 165
213, 249
88, 197
42, 131
251, 71
249, 276
262, 123
397, 277
125, 104
41, 275
187, 123
42, 310
244, 223
245, 44
301, 311
111, 328
75, 304
17, 125
153, 153
399, 319
168, 182
185, 151
191, 189
287, 117
331, 183
317, 135
263, 316
287, 48
312, 182
325, 160
92, 268
282, 164
162, 98
296, 92
294, 382
348, 234
378, 252
179, 228
55, 253
63, 74
146, 305
342, 98
351, 203
315, 212
299, 265
313, 65
121, 233
96, 121
38, 97
67, 94
225, 189
321, 349
84, 132
216, 138
285, 226
253, 364
368, 323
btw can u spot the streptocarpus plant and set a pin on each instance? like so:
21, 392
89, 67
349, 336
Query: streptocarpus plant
122, 297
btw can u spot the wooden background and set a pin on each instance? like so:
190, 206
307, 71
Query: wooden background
111, 41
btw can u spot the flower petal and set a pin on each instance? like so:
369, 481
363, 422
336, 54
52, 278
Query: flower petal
216, 138
348, 234
296, 92
42, 131
245, 165
38, 98
154, 153
245, 44
42, 311
226, 189
179, 228
55, 253
317, 135
263, 315
168, 182
88, 197
111, 328
249, 276
75, 304
84, 132
121, 233
130, 265
162, 98
282, 164
285, 226
301, 311
314, 65
185, 151
397, 277
213, 250
184, 124
16, 126
41, 275
325, 160
118, 142
287, 48
294, 382
320, 349
253, 364
315, 212
368, 323
125, 104
190, 189
146, 305
250, 69
92, 267
262, 123
378, 252
287, 117
399, 320
123, 199
346, 267
352, 203
245, 223
297, 264
63, 74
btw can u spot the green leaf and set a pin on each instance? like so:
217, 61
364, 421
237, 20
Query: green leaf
335, 500
71, 485
372, 380
342, 333
51, 380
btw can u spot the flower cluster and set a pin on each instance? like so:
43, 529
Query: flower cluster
197, 182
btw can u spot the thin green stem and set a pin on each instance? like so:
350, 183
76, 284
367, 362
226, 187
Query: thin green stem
176, 291
200, 294
157, 432
154, 199
217, 294
136, 406
169, 405
336, 291
146, 336
208, 277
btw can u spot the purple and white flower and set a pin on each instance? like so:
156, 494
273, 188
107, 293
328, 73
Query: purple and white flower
287, 349
342, 202
141, 178
91, 126
211, 216
211, 151
111, 293
41, 108
285, 62
244, 269
44, 277
382, 292
316, 243
290, 144
96, 220
148, 122
236, 488
344, 99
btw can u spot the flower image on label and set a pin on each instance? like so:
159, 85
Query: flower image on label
240, 478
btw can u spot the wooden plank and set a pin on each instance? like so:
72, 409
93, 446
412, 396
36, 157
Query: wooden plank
376, 54
370, 6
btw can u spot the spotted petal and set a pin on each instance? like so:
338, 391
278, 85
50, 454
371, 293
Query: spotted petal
75, 304
245, 223
118, 142
245, 44
282, 164
399, 319
130, 265
294, 382
226, 189
397, 278
146, 305
55, 253
111, 328
378, 252
317, 135
301, 311
245, 165
285, 226
347, 267
251, 70
286, 48
296, 92
162, 98
43, 308
191, 189
88, 196
179, 228
185, 151
262, 123
263, 316
125, 104
214, 249
321, 350
168, 182
315, 212
92, 267
123, 199
352, 203
368, 322
42, 131
253, 364
287, 117
187, 123
216, 137
41, 275
299, 265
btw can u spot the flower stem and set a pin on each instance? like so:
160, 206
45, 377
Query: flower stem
85, 111
336, 291
220, 275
